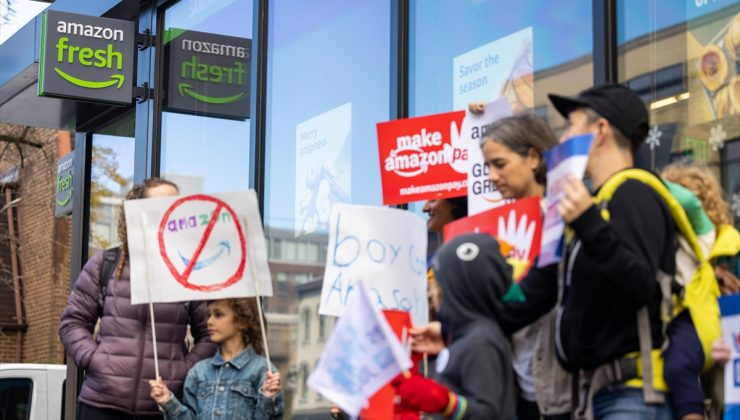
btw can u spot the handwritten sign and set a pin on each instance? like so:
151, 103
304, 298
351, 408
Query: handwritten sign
568, 158
385, 248
196, 247
361, 356
482, 193
729, 307
518, 224
422, 158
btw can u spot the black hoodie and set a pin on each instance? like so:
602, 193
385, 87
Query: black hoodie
473, 278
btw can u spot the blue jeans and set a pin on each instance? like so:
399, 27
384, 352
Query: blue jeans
618, 402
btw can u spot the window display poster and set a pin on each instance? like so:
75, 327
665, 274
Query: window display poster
502, 68
714, 85
323, 168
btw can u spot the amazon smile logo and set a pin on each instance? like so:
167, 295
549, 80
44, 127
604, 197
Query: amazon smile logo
86, 57
208, 74
198, 72
103, 58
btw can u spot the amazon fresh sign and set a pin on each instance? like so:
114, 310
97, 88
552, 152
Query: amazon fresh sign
87, 58
65, 169
208, 74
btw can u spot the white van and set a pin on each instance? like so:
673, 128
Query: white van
31, 391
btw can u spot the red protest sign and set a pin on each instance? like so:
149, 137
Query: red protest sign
519, 224
381, 405
209, 221
422, 158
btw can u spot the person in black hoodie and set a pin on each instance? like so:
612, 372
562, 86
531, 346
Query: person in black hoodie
474, 379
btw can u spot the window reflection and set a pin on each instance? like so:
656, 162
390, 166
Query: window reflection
328, 85
683, 62
111, 176
208, 152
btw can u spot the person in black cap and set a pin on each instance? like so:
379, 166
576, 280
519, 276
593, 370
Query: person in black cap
610, 268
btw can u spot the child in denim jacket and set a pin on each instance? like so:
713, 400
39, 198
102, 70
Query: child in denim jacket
235, 383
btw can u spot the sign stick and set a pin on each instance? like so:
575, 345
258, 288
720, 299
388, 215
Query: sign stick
149, 290
257, 297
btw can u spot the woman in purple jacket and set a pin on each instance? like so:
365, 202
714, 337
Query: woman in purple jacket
119, 361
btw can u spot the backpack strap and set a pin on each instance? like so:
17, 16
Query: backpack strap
674, 207
644, 330
110, 261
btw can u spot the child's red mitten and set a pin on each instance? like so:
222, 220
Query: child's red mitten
422, 394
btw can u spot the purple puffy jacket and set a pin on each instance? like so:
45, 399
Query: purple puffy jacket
119, 364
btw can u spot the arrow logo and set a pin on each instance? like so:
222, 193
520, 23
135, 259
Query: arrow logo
205, 263
64, 202
186, 89
116, 78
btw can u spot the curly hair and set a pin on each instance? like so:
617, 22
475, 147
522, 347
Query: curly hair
137, 191
698, 178
245, 312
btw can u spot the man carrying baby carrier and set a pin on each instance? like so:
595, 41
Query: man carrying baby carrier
610, 299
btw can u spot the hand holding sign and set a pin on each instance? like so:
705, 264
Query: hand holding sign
564, 160
576, 199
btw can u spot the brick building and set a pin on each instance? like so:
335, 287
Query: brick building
34, 245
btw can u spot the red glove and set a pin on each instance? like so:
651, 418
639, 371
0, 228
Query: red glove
421, 394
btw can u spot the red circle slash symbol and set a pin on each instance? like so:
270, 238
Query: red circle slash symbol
184, 277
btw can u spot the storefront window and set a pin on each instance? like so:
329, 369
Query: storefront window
205, 131
484, 50
328, 84
683, 61
111, 176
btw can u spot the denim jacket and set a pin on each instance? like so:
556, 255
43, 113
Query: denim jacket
217, 389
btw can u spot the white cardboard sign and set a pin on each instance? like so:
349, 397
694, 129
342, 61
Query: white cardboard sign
362, 355
383, 247
196, 247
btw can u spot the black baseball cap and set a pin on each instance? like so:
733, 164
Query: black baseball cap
618, 104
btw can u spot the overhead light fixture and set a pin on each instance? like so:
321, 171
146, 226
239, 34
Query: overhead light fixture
660, 103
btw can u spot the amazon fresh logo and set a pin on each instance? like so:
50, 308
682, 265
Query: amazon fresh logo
208, 74
194, 70
64, 191
85, 57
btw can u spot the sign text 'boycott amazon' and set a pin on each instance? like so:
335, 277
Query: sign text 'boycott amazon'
422, 158
86, 57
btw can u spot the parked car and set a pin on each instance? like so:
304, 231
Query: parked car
32, 391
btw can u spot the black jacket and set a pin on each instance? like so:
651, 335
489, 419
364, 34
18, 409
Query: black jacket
473, 277
609, 273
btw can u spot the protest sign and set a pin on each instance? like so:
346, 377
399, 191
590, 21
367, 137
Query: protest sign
422, 158
568, 158
482, 193
361, 356
381, 404
196, 247
519, 224
386, 248
729, 307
